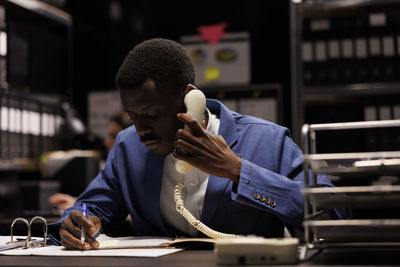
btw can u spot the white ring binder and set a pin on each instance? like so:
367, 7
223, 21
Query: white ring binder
28, 242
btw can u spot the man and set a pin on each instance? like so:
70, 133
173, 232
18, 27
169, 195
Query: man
247, 177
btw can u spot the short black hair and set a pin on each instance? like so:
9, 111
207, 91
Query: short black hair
164, 61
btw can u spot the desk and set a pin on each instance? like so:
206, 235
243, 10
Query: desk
190, 258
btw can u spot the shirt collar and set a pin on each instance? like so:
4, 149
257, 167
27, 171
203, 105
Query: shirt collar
213, 123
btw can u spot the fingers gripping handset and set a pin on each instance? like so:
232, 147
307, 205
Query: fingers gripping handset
195, 102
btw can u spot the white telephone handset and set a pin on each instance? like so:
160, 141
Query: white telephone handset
195, 103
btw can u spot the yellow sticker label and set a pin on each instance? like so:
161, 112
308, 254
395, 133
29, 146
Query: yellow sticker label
212, 74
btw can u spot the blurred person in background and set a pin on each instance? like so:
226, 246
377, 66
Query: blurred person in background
118, 122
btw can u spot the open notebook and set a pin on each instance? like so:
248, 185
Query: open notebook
106, 242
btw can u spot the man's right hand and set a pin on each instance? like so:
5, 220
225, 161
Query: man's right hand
70, 231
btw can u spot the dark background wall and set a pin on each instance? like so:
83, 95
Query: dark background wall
105, 31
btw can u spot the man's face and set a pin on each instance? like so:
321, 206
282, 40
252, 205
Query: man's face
153, 112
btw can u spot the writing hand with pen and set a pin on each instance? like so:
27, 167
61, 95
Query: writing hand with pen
77, 230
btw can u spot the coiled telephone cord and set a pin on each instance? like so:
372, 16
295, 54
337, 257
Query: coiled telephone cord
180, 207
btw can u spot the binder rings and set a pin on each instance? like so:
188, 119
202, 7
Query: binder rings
28, 242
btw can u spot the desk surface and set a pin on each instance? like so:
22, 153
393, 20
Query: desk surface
198, 258
179, 259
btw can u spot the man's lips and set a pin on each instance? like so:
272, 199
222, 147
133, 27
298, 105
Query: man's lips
151, 144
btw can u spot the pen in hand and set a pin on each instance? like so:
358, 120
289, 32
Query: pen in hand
82, 228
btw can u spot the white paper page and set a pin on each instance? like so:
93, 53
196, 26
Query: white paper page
119, 252
18, 242
61, 251
6, 238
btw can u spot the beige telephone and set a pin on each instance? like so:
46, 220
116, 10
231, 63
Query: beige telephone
195, 103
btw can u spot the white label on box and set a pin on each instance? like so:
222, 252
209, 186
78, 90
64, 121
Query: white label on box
384, 113
377, 19
388, 46
333, 48
369, 113
306, 52
361, 48
320, 51
3, 43
34, 123
347, 48
13, 120
320, 25
374, 46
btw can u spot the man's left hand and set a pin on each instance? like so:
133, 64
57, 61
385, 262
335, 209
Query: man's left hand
207, 152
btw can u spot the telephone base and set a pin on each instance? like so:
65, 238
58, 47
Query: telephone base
256, 250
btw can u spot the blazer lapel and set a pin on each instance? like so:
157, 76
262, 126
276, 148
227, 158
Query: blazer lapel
216, 185
154, 173
215, 191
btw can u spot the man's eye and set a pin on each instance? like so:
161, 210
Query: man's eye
148, 116
153, 114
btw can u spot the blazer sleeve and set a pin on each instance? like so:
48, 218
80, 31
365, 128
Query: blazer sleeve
277, 189
103, 198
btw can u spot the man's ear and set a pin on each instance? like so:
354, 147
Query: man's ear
189, 88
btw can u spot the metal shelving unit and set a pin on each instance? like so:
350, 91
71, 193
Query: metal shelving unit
37, 10
332, 39
360, 186
40, 43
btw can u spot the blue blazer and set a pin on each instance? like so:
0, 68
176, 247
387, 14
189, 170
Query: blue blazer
267, 196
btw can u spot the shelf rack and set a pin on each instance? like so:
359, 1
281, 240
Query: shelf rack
317, 23
367, 191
